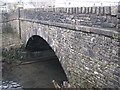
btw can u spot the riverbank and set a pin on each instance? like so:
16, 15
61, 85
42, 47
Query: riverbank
11, 45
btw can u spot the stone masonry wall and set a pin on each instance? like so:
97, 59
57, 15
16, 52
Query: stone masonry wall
89, 60
89, 55
104, 17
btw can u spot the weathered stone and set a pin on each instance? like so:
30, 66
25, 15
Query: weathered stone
87, 10
93, 10
107, 10
102, 10
108, 25
114, 10
70, 10
73, 10
90, 9
118, 21
98, 10
118, 27
118, 16
119, 7
109, 18
76, 10
114, 20
83, 9
80, 10
103, 18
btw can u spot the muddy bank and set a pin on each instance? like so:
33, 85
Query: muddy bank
35, 75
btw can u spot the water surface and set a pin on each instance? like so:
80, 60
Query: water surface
38, 74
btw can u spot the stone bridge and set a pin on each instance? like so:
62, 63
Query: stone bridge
85, 39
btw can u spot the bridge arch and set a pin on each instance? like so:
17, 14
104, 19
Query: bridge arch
37, 43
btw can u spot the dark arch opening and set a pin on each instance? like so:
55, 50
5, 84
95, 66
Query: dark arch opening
37, 43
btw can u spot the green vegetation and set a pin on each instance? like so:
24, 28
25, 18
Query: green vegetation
12, 55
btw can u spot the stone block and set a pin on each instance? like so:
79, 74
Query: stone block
118, 27
80, 10
56, 10
87, 10
53, 9
90, 9
108, 25
118, 21
65, 10
70, 10
93, 10
114, 10
109, 18
102, 10
118, 8
102, 18
73, 10
97, 10
77, 10
118, 16
60, 10
83, 10
107, 10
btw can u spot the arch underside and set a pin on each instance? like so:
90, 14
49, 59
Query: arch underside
37, 43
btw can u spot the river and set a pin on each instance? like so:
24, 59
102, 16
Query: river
33, 73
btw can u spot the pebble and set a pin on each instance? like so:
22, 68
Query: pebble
5, 86
10, 85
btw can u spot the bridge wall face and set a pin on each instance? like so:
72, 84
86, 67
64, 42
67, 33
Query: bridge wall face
88, 59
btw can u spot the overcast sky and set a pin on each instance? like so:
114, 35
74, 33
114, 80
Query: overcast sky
65, 0
86, 3
77, 3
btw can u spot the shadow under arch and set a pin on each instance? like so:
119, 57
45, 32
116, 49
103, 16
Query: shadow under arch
37, 43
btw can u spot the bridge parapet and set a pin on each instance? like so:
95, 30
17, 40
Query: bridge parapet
103, 17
